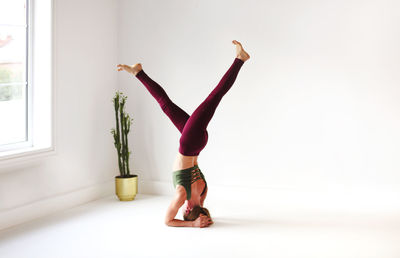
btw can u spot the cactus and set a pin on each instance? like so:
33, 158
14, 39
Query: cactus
120, 133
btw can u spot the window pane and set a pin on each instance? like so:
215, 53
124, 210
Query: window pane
12, 54
13, 79
11, 91
12, 12
12, 114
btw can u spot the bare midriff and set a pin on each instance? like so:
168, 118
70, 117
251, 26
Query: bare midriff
183, 162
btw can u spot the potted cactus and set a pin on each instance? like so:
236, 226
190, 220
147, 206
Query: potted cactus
125, 183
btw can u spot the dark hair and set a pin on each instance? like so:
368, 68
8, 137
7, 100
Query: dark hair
195, 213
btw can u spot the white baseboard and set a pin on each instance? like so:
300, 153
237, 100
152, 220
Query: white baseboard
156, 188
327, 200
48, 206
22, 214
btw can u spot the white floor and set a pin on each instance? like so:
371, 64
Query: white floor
110, 228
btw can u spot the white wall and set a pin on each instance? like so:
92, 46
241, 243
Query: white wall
315, 107
86, 51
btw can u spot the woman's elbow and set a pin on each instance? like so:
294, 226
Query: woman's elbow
168, 222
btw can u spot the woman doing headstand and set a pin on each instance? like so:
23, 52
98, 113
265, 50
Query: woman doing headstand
189, 181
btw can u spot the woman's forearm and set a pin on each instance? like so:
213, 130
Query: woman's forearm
180, 223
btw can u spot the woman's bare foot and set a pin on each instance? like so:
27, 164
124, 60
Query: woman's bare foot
133, 69
240, 53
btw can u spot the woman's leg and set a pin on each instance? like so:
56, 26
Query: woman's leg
175, 113
194, 136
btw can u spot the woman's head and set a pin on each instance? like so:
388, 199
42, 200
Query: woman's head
195, 213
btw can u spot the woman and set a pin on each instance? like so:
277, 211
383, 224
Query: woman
189, 181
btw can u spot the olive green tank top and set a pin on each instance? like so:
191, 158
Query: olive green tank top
186, 177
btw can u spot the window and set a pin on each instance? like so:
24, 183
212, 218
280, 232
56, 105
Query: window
14, 97
25, 81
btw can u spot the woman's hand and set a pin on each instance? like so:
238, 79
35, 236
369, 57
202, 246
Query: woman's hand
203, 221
133, 69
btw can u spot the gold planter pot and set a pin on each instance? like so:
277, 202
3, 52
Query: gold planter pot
126, 187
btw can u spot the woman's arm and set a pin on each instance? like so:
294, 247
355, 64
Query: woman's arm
177, 202
203, 197
173, 209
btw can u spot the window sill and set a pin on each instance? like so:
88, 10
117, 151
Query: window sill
25, 154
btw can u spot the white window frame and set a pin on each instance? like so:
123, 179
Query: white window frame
40, 94
27, 90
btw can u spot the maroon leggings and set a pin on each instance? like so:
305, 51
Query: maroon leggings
193, 128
